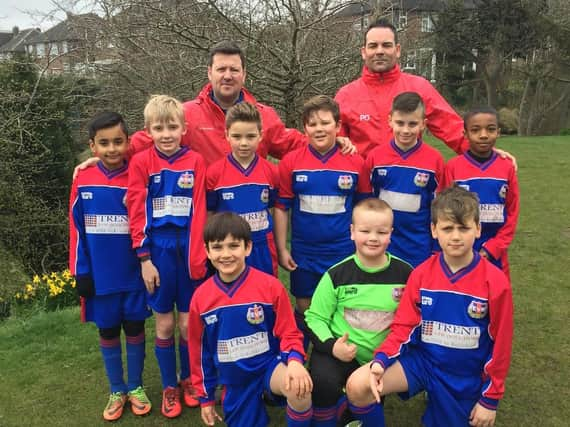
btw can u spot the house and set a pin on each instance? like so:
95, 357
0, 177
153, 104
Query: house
12, 43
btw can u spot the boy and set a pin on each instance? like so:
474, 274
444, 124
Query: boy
406, 173
105, 267
320, 186
353, 307
494, 179
245, 183
167, 211
244, 336
457, 311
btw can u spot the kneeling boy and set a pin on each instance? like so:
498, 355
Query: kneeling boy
457, 310
242, 335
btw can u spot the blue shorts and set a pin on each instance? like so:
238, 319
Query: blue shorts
243, 404
109, 311
264, 256
169, 254
302, 283
450, 397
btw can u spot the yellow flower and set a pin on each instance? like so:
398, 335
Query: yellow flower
18, 295
66, 274
36, 280
29, 288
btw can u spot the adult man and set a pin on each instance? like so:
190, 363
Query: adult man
365, 102
205, 115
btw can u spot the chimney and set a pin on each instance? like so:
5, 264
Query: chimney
15, 30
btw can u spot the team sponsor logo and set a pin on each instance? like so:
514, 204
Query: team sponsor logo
365, 117
265, 195
492, 212
477, 309
351, 290
427, 300
171, 205
255, 314
228, 196
326, 205
421, 179
157, 179
257, 220
345, 182
450, 335
211, 319
397, 294
503, 191
381, 172
302, 178
186, 180
86, 195
106, 224
238, 348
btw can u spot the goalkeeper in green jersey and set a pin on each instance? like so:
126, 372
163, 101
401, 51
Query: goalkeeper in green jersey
352, 308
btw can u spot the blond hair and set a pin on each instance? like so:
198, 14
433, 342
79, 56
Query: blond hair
163, 108
373, 205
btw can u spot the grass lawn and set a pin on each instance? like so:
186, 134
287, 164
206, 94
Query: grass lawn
51, 371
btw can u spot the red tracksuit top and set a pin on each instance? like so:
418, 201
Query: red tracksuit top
206, 126
365, 105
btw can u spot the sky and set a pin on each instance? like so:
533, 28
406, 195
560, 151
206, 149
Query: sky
36, 13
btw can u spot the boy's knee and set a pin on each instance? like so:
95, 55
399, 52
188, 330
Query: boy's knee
164, 327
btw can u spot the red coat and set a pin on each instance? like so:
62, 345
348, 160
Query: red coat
365, 106
206, 125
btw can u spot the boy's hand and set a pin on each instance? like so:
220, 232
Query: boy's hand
91, 161
209, 415
506, 155
482, 417
286, 260
298, 379
342, 350
345, 145
150, 275
376, 383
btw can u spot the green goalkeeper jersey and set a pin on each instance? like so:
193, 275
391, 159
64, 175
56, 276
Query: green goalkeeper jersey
358, 300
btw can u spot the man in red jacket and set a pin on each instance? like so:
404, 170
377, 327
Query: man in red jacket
365, 103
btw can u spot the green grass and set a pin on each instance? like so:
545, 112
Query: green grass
51, 371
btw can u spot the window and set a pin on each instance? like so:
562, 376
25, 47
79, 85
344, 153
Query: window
54, 49
40, 50
63, 47
427, 23
410, 61
402, 21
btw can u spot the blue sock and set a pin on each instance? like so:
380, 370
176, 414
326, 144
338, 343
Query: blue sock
166, 356
135, 360
298, 419
371, 415
184, 358
324, 417
111, 351
300, 321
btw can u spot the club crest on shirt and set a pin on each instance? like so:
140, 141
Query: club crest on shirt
503, 191
477, 309
421, 179
186, 180
345, 182
397, 294
255, 314
265, 195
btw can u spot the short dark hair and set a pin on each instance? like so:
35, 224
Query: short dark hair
317, 103
482, 109
226, 47
243, 112
224, 224
456, 204
382, 23
104, 120
408, 102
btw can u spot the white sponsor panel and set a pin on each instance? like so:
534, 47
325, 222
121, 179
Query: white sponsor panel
327, 205
450, 335
106, 224
239, 348
491, 212
257, 220
401, 201
368, 320
171, 205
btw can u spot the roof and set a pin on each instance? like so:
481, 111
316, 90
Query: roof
367, 6
70, 29
17, 42
5, 37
